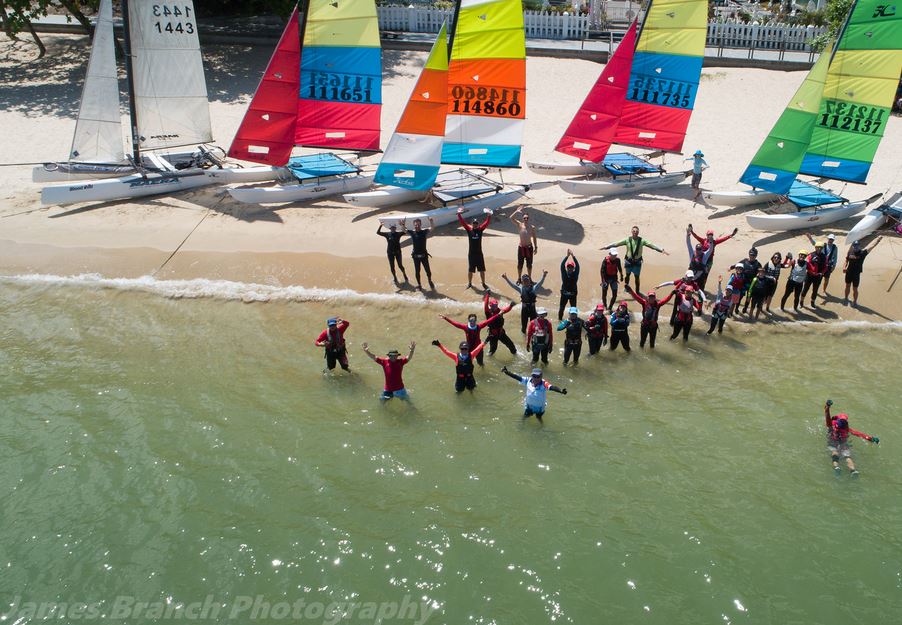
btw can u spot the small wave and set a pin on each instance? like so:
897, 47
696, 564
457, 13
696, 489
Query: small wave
202, 288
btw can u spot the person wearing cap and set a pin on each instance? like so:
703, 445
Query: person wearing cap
529, 244
611, 269
686, 306
698, 258
721, 310
831, 253
418, 251
393, 250
472, 329
772, 270
527, 290
569, 282
539, 339
632, 259
750, 267
688, 279
736, 283
620, 324
475, 258
648, 328
494, 314
573, 328
333, 340
816, 268
463, 363
797, 272
597, 329
698, 166
710, 241
536, 399
853, 266
392, 366
838, 432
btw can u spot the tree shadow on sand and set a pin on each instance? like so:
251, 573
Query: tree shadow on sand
549, 227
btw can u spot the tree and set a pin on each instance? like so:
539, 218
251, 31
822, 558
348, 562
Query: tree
17, 16
837, 10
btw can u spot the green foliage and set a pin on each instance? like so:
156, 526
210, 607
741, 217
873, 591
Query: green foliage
17, 15
836, 13
212, 8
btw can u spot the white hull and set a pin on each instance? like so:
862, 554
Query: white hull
74, 171
739, 198
301, 192
872, 221
804, 219
124, 188
246, 175
638, 184
549, 168
384, 196
473, 208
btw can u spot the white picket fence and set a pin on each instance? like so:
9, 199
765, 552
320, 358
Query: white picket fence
544, 25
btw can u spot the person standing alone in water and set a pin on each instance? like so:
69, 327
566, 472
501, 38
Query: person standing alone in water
536, 399
632, 259
475, 259
419, 253
529, 245
393, 250
569, 279
838, 432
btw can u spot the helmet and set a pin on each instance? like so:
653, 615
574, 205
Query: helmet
493, 303
690, 275
571, 266
537, 373
524, 277
753, 251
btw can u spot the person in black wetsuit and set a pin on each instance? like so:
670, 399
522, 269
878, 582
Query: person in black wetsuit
527, 291
569, 279
475, 259
463, 363
393, 250
573, 328
419, 254
496, 325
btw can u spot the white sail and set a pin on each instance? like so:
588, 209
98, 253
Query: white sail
98, 130
168, 74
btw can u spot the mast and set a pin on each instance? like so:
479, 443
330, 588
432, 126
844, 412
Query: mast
454, 17
642, 25
130, 81
842, 30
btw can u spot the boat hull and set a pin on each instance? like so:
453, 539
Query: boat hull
606, 188
550, 168
872, 221
74, 171
804, 219
301, 192
385, 196
739, 198
124, 188
246, 175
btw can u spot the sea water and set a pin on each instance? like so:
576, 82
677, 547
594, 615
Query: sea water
174, 450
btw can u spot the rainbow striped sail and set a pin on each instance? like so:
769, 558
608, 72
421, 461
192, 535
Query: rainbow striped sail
486, 85
591, 132
858, 93
322, 86
777, 161
414, 151
665, 74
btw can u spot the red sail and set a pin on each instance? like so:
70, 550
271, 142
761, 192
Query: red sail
590, 134
266, 134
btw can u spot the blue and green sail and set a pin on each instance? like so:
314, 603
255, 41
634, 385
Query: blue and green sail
836, 120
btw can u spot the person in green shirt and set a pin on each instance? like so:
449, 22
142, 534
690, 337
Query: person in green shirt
633, 259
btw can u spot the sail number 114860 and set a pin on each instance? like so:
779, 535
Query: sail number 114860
486, 101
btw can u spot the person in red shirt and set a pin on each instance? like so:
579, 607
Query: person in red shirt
472, 329
838, 432
463, 364
392, 365
648, 329
686, 306
539, 336
333, 340
494, 315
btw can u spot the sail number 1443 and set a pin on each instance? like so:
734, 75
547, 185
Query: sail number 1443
176, 18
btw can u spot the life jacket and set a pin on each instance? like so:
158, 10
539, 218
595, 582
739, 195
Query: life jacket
528, 296
634, 249
496, 327
837, 435
697, 263
596, 326
798, 272
650, 314
620, 323
541, 331
684, 308
472, 335
772, 270
568, 282
335, 340
610, 267
574, 331
721, 307
464, 367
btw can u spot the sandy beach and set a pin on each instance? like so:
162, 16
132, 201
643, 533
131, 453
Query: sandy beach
331, 245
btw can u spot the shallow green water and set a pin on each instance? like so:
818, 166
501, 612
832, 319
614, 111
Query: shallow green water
161, 448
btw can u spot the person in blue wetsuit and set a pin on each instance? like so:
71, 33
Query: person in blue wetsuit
620, 323
536, 399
